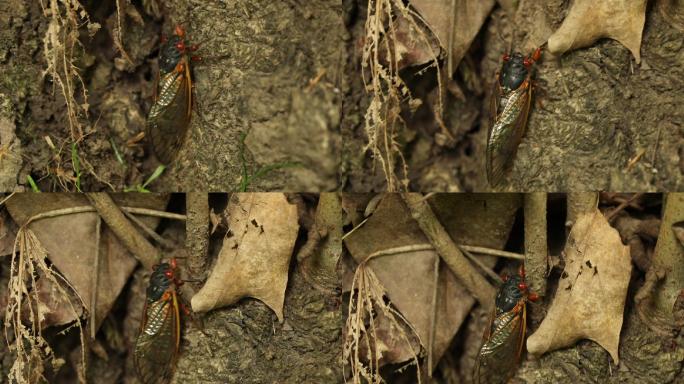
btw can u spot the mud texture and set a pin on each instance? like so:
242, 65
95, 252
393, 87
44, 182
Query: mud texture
595, 109
245, 343
259, 59
269, 70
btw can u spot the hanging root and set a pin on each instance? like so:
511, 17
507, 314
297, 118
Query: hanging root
23, 331
60, 45
381, 57
366, 301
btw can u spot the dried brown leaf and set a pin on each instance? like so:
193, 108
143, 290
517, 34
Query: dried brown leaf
455, 24
255, 256
590, 20
392, 227
590, 300
70, 244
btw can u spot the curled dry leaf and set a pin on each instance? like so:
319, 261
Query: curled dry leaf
455, 24
255, 256
590, 298
70, 243
590, 20
483, 220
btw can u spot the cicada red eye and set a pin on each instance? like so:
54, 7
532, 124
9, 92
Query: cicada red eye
522, 287
505, 57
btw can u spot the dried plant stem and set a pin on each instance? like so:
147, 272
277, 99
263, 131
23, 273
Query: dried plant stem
319, 257
430, 247
96, 280
365, 303
166, 244
668, 263
155, 213
31, 348
488, 271
492, 252
475, 283
60, 41
124, 229
536, 251
381, 58
622, 206
197, 233
433, 317
579, 203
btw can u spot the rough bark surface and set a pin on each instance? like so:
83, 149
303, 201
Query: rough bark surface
595, 110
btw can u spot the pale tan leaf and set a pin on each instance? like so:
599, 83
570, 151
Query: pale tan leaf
590, 298
255, 256
590, 20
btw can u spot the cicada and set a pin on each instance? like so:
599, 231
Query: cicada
504, 338
169, 117
156, 349
510, 108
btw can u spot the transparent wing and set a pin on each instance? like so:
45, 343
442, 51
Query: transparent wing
169, 118
510, 112
500, 353
156, 348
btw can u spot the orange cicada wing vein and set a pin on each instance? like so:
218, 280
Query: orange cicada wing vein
507, 129
169, 117
156, 349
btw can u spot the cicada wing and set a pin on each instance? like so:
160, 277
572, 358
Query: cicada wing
507, 129
498, 356
156, 348
169, 118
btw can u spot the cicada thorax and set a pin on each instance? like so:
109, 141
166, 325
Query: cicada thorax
169, 118
156, 349
503, 339
511, 101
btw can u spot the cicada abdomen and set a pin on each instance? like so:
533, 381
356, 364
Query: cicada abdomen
503, 339
156, 349
169, 117
509, 111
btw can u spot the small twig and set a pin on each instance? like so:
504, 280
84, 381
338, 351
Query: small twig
166, 244
430, 247
433, 316
355, 228
536, 249
6, 198
480, 264
96, 280
475, 283
124, 230
623, 205
197, 233
492, 252
155, 213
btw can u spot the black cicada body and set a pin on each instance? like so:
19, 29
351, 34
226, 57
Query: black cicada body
169, 117
510, 107
156, 349
498, 358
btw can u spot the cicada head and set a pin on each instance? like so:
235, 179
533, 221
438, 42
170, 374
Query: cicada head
160, 280
170, 54
513, 71
509, 294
